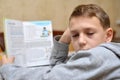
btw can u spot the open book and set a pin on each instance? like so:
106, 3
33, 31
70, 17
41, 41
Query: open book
29, 41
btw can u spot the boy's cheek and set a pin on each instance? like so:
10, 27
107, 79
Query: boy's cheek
75, 45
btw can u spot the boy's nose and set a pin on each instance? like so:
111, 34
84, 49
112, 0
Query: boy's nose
82, 40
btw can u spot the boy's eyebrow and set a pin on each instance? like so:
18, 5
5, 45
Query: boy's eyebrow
85, 29
73, 31
90, 29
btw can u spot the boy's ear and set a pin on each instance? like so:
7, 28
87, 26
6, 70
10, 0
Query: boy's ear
109, 34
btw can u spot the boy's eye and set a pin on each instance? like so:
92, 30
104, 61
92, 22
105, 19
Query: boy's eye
75, 35
90, 34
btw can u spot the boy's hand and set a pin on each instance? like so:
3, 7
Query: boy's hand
66, 37
7, 60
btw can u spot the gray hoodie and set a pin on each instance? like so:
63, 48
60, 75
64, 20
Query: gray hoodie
99, 63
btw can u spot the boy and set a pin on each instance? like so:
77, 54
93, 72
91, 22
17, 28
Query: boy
95, 57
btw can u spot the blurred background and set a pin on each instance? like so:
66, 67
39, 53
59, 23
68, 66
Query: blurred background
58, 11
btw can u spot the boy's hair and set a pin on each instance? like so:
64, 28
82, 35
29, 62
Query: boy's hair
92, 10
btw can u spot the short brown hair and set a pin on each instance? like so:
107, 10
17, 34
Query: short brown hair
92, 10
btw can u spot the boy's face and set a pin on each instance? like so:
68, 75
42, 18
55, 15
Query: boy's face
87, 33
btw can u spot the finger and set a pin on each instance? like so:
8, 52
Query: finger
11, 59
4, 59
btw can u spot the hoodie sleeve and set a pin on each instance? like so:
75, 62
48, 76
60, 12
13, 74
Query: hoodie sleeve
99, 63
59, 52
12, 72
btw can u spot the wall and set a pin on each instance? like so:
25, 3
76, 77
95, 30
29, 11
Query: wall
56, 10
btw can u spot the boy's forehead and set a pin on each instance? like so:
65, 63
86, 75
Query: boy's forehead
85, 22
81, 19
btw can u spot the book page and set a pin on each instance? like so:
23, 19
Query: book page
30, 42
38, 40
14, 40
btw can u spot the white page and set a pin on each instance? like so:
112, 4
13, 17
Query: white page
29, 42
14, 40
37, 43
